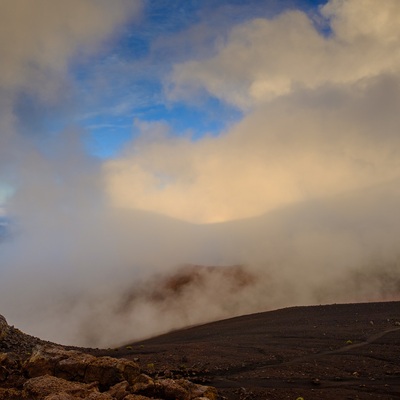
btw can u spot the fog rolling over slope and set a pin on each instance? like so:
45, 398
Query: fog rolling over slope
165, 166
104, 281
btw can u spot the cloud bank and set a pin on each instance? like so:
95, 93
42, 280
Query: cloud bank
302, 193
320, 119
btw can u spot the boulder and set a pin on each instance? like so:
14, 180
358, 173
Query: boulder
10, 370
120, 390
43, 386
143, 384
11, 361
198, 391
76, 366
109, 371
53, 360
169, 389
73, 365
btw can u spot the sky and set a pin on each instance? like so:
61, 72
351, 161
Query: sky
138, 136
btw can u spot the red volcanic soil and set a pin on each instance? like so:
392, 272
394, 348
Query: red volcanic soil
340, 351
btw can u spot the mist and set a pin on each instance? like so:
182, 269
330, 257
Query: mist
295, 204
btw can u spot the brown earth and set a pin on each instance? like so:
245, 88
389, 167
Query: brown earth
340, 351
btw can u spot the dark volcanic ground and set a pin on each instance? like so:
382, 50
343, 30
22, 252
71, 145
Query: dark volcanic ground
340, 351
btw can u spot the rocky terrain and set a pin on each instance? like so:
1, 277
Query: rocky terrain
339, 351
31, 369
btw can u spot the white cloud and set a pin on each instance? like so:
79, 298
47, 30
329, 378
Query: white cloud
358, 21
329, 124
263, 59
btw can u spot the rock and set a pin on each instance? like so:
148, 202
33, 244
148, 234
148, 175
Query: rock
10, 361
10, 394
43, 386
143, 384
109, 371
44, 360
169, 389
10, 370
60, 396
4, 328
198, 391
76, 366
66, 396
99, 396
56, 361
120, 390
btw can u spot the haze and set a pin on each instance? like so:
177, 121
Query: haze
264, 136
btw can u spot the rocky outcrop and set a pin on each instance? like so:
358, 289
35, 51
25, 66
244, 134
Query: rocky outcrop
77, 366
3, 327
51, 372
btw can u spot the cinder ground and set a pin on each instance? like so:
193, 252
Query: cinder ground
340, 351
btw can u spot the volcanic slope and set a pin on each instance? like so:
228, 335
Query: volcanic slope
339, 351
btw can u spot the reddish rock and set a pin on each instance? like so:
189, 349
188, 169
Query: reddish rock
40, 387
50, 372
143, 384
44, 360
110, 371
120, 390
169, 389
